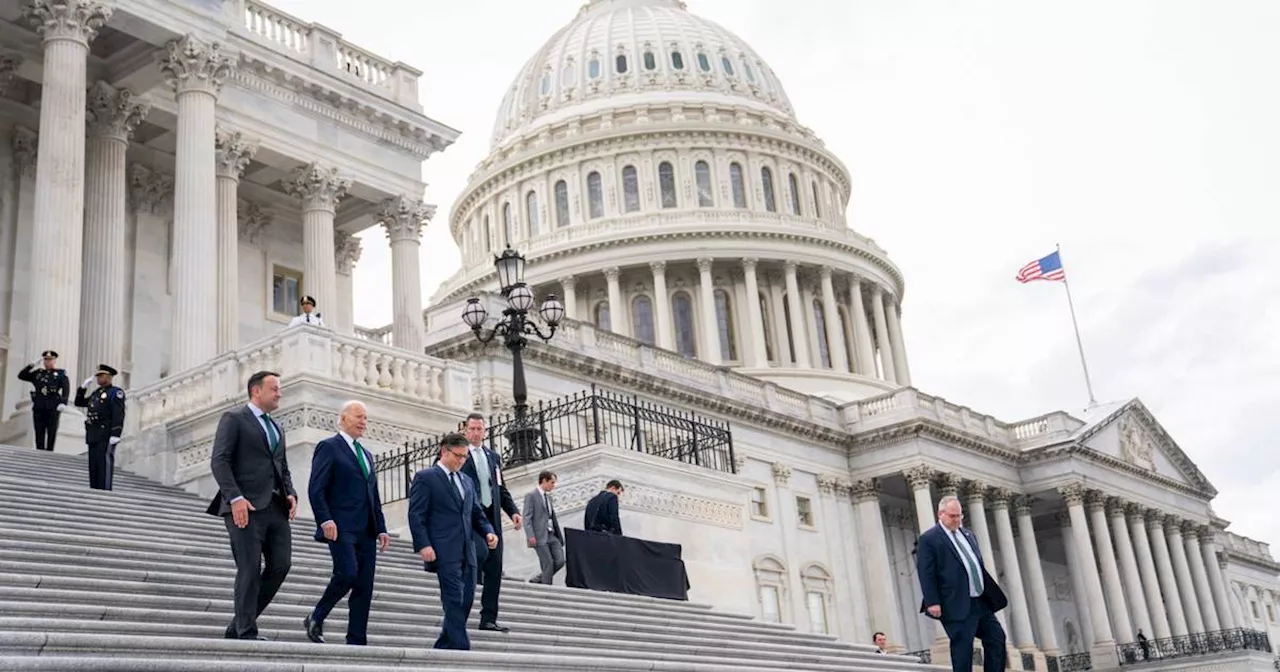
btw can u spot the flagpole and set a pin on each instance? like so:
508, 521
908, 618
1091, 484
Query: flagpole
1079, 344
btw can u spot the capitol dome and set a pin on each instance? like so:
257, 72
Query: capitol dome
649, 166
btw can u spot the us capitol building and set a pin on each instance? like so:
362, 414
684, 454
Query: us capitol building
178, 174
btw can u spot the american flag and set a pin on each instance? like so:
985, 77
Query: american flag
1048, 268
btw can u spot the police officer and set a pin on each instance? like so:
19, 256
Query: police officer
50, 389
308, 316
103, 423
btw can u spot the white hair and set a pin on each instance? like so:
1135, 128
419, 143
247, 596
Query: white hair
942, 503
351, 405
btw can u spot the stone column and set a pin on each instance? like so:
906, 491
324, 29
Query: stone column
898, 520
1203, 591
853, 561
835, 330
320, 188
710, 325
1182, 575
864, 352
233, 153
895, 338
759, 356
879, 578
66, 27
1078, 590
616, 309
1164, 569
1113, 589
569, 290
924, 627
661, 306
1022, 636
1129, 572
882, 334
404, 218
1220, 598
111, 115
1103, 651
919, 479
20, 352
347, 249
1035, 576
976, 517
196, 70
1146, 565
846, 596
795, 306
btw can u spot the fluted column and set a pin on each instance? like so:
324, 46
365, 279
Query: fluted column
1035, 576
233, 152
1221, 599
1146, 566
404, 217
900, 552
347, 249
895, 338
661, 306
1023, 638
24, 143
879, 577
320, 188
1203, 591
710, 325
759, 356
882, 334
976, 517
864, 352
1129, 571
1078, 590
1182, 575
1164, 569
919, 480
795, 307
66, 28
569, 290
196, 70
1103, 640
111, 116
1121, 627
835, 331
616, 309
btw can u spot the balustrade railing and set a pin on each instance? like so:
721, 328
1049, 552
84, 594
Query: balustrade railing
1075, 662
1188, 646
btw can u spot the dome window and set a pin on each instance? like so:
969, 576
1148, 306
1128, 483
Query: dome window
562, 204
593, 68
545, 86
704, 63
677, 61
751, 75
630, 189
620, 64
595, 196
667, 184
650, 63
567, 75
728, 65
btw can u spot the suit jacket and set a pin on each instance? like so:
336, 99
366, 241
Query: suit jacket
537, 518
339, 491
602, 514
500, 499
439, 518
244, 466
944, 580
104, 412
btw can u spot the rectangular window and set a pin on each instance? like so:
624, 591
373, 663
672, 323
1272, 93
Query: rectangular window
1253, 606
769, 605
759, 503
286, 290
1271, 615
817, 605
804, 511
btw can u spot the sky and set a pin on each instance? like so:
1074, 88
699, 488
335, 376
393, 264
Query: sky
1140, 136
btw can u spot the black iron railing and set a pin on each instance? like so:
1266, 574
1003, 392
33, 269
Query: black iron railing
925, 655
564, 425
1235, 639
1051, 664
1075, 662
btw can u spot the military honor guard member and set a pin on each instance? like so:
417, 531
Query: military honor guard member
309, 314
50, 391
103, 424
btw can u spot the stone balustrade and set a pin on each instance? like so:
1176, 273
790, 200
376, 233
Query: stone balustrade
912, 404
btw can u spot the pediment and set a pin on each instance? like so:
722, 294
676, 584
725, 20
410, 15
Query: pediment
1131, 434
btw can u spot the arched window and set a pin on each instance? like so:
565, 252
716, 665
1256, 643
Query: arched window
704, 63
682, 312
817, 202
562, 203
817, 596
630, 189
642, 319
846, 326
786, 319
746, 67
794, 187
567, 75
667, 184
771, 587
766, 178
727, 65
602, 317
595, 195
737, 186
487, 236
650, 62
593, 68
544, 87
702, 172
765, 316
620, 64
677, 61
820, 326
724, 324
531, 211
508, 226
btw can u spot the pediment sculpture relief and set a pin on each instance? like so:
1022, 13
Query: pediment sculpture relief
1134, 445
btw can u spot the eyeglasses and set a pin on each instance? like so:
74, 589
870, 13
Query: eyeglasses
456, 453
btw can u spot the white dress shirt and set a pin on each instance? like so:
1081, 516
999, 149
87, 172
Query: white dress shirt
456, 481
965, 549
258, 413
351, 443
307, 318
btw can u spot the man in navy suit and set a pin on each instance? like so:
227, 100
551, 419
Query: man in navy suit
485, 469
444, 519
348, 510
958, 590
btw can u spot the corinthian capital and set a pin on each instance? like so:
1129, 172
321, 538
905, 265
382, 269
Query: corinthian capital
865, 491
346, 249
190, 64
150, 189
9, 64
232, 152
404, 217
949, 485
1072, 494
25, 144
319, 188
75, 20
252, 220
113, 113
918, 477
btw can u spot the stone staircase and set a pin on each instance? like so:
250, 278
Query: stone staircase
140, 579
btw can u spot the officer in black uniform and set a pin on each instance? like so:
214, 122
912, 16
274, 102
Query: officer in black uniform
48, 396
103, 423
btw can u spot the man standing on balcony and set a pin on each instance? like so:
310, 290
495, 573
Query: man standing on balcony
483, 467
103, 424
308, 314
49, 395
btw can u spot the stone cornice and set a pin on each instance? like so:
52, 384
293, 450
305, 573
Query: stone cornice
1080, 452
1171, 450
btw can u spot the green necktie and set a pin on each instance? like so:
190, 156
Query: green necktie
364, 466
975, 575
273, 439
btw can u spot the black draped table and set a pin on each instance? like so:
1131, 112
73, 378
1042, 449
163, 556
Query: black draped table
616, 564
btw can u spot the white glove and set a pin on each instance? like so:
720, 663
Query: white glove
87, 382
38, 363
113, 440
61, 407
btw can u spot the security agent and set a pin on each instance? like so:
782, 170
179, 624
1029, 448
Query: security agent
50, 389
308, 315
104, 421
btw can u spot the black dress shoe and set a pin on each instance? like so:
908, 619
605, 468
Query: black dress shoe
494, 627
315, 631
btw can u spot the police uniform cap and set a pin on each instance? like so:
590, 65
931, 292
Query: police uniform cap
103, 368
307, 299
49, 354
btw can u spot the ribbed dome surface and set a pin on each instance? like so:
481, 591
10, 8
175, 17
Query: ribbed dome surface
625, 52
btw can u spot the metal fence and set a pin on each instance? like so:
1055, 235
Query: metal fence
1234, 639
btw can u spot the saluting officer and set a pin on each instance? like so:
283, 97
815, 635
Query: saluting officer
50, 389
104, 421
308, 315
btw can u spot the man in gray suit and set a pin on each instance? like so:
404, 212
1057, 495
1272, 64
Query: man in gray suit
255, 499
543, 528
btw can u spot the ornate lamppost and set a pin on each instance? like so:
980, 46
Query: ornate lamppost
515, 327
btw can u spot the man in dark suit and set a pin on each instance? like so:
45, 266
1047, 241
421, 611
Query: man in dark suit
348, 510
103, 424
542, 528
444, 518
958, 590
602, 510
49, 394
484, 467
255, 499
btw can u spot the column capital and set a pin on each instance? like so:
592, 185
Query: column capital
113, 113
1206, 534
568, 281
844, 488
781, 473
919, 477
975, 492
232, 153
319, 187
253, 218
25, 145
1022, 505
191, 64
949, 485
704, 264
1072, 494
1000, 497
404, 217
824, 272
346, 251
1115, 507
790, 266
75, 20
877, 292
865, 490
1135, 512
1094, 500
749, 263
1172, 524
1190, 528
1155, 520
611, 273
827, 484
150, 189
9, 64
658, 266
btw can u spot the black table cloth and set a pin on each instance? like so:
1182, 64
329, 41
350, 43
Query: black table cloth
611, 563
